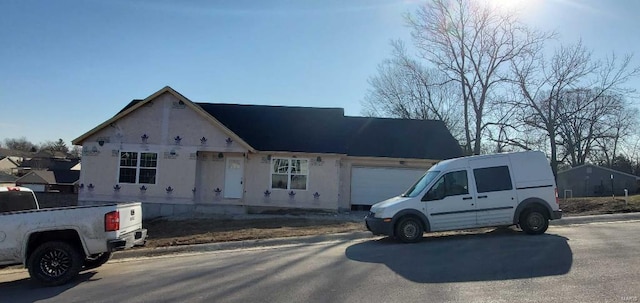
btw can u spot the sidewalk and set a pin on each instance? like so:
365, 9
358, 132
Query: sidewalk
150, 252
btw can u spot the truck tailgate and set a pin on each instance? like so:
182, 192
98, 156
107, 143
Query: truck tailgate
130, 217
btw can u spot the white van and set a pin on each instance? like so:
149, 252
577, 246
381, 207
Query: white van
471, 192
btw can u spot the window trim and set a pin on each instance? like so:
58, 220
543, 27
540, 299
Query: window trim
138, 167
289, 174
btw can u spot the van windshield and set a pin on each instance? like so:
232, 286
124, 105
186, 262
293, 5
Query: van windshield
417, 188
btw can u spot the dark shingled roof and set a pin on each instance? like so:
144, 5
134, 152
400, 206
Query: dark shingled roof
280, 128
399, 138
327, 130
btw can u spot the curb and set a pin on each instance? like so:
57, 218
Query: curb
307, 240
596, 218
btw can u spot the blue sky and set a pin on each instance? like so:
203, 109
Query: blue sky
67, 66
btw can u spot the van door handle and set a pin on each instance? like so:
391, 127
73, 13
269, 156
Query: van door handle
481, 197
467, 198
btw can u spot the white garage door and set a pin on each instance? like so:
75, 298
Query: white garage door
370, 185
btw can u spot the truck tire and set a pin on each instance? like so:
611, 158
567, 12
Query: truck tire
534, 221
54, 263
95, 261
409, 230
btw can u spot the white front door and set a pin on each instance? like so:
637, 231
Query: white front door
233, 178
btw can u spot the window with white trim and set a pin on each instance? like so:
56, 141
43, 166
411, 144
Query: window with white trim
289, 173
138, 167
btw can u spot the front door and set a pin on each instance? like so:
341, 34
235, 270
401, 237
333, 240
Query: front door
449, 204
234, 178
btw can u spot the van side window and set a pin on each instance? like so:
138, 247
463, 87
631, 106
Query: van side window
492, 179
451, 184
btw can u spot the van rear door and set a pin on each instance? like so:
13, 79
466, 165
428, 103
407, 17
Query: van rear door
496, 196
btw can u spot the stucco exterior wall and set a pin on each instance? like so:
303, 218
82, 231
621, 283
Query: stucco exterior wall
162, 121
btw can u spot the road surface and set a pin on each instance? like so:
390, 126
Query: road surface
597, 262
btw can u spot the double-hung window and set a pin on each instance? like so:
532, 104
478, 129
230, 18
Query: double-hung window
138, 167
289, 173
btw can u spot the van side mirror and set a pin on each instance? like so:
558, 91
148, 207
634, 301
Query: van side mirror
432, 195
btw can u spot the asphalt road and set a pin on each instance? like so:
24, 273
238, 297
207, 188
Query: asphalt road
597, 262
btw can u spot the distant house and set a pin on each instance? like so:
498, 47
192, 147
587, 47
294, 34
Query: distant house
9, 164
176, 156
46, 160
63, 181
590, 180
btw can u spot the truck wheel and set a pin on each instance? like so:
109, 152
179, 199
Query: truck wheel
54, 263
534, 221
95, 261
409, 230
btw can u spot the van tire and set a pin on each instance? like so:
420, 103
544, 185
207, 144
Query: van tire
409, 230
534, 221
54, 263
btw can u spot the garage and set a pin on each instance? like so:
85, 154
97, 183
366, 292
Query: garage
370, 185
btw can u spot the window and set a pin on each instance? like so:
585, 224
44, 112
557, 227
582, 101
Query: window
289, 173
492, 179
138, 167
451, 184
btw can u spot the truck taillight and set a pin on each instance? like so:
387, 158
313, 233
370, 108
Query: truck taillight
557, 199
112, 221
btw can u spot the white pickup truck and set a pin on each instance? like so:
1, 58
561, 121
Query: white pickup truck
55, 244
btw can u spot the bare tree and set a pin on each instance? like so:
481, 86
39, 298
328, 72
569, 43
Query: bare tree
474, 45
619, 135
55, 146
20, 144
546, 87
404, 88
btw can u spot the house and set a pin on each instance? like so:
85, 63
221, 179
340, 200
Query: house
46, 160
63, 181
177, 156
9, 164
590, 180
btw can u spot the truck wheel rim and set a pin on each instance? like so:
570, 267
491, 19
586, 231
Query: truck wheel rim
55, 263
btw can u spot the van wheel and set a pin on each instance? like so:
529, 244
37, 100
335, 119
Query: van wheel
54, 263
97, 260
409, 230
534, 221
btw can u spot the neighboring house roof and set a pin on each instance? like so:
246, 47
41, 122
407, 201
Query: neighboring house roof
15, 161
63, 177
4, 178
49, 163
598, 167
321, 130
10, 152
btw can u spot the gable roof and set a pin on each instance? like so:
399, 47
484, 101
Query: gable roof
598, 167
50, 177
319, 130
132, 106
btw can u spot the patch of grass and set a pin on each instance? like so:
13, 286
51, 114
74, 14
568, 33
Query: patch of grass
599, 205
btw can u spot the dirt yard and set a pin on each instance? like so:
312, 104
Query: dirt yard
218, 229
